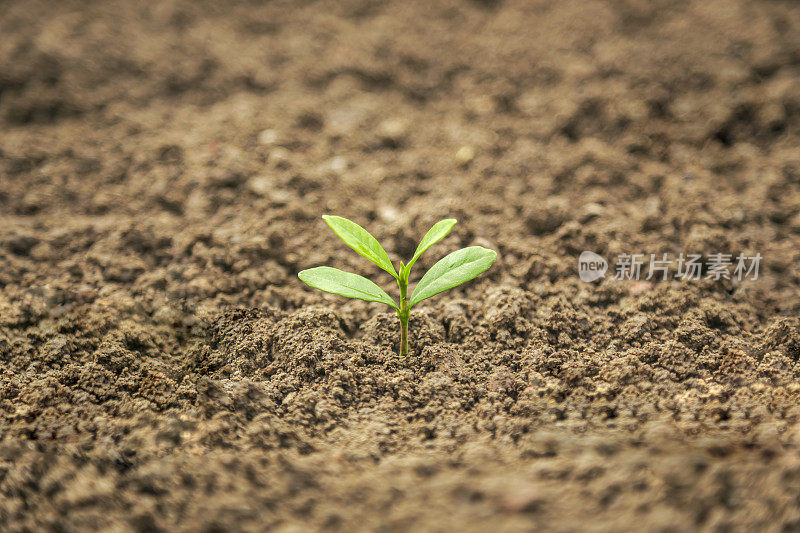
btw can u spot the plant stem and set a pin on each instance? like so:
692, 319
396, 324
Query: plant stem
403, 315
404, 336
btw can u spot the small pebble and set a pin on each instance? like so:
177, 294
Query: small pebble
339, 164
280, 157
465, 155
388, 213
591, 211
268, 137
393, 129
260, 185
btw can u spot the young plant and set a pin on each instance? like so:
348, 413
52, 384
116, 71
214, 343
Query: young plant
453, 269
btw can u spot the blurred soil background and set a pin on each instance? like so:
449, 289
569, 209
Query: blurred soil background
163, 169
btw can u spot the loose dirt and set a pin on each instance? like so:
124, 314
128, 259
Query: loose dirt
163, 169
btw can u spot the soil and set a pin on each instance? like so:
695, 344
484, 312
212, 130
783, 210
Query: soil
163, 169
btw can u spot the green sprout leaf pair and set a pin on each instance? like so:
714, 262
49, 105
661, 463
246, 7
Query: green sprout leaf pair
450, 271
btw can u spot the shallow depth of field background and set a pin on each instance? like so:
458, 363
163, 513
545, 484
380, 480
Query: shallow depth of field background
163, 169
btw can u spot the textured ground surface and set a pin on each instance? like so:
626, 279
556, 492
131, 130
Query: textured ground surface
163, 168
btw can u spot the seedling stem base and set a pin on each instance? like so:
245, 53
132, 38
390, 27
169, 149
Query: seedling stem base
403, 314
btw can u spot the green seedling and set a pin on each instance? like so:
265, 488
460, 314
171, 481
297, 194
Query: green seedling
453, 269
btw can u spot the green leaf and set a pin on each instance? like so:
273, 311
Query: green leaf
361, 241
343, 283
438, 232
453, 269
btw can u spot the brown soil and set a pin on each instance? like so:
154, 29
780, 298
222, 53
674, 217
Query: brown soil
163, 168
